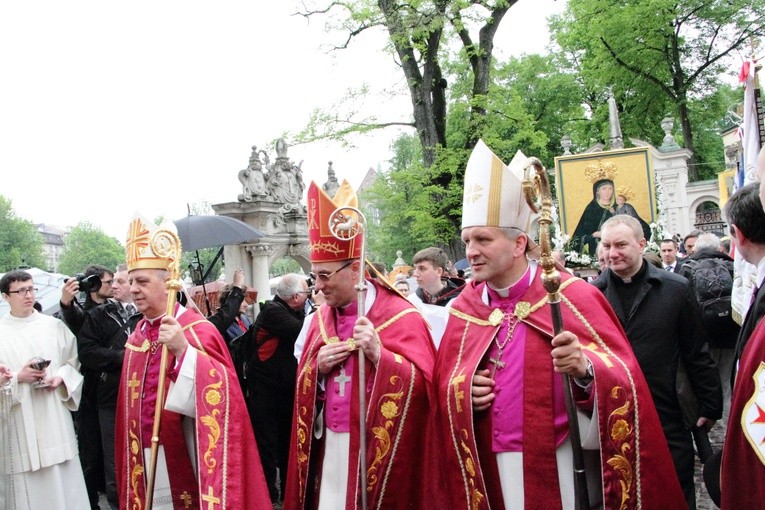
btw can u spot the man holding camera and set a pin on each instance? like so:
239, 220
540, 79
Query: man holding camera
96, 282
40, 386
101, 344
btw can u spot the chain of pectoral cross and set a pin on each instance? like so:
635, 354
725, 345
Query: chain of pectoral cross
497, 363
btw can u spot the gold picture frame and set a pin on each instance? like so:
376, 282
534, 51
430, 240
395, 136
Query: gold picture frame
582, 182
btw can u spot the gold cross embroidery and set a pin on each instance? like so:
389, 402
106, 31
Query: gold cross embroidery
133, 384
186, 498
459, 395
210, 498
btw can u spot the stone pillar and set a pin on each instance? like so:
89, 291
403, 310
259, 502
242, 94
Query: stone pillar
259, 269
671, 170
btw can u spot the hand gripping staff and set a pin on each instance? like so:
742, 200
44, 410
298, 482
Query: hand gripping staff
536, 188
345, 223
165, 244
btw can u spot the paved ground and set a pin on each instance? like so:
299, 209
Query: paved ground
703, 501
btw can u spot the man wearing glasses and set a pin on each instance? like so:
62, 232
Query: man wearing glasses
398, 359
36, 401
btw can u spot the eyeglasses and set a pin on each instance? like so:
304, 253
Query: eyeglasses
23, 292
324, 277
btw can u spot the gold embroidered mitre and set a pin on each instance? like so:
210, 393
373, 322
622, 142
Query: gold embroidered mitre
145, 249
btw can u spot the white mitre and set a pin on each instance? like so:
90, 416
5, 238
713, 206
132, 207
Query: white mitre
493, 194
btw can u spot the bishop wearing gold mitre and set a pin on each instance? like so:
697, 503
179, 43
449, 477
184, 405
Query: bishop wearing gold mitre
207, 456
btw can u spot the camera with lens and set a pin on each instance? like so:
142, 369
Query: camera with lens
88, 284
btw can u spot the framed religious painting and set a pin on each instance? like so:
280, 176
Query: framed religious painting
595, 186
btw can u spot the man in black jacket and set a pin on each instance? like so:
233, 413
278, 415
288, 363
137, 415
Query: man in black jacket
747, 227
271, 376
663, 324
101, 344
86, 417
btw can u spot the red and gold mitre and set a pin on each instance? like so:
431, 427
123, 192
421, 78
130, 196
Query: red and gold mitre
324, 246
145, 249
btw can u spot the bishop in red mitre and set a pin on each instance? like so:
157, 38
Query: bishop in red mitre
398, 358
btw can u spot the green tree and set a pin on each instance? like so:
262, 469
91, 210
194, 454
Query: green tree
20, 242
87, 244
658, 54
420, 34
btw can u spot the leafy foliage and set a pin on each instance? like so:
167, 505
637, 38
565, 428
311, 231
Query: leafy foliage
20, 243
86, 245
659, 55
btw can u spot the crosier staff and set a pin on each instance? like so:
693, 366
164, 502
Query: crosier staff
536, 188
346, 223
165, 244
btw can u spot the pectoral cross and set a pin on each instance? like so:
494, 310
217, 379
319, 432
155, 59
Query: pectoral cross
497, 363
341, 380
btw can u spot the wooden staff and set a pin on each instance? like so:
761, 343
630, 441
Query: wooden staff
346, 223
165, 244
536, 187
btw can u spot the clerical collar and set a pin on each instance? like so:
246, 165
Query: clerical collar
353, 307
637, 277
349, 310
152, 321
516, 289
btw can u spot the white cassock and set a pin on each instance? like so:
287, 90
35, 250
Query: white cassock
40, 463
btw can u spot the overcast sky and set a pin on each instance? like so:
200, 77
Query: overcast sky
109, 108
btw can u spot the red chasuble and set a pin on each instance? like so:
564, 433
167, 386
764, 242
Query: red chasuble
229, 471
397, 412
637, 469
743, 460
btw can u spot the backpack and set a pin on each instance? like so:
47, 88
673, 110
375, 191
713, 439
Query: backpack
241, 350
712, 281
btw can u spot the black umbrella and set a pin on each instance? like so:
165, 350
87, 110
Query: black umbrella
197, 232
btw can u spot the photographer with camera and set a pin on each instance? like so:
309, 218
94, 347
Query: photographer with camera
101, 344
96, 282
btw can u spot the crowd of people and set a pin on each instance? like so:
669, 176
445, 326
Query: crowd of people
353, 389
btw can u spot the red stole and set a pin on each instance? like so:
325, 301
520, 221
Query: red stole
742, 477
229, 471
634, 456
396, 420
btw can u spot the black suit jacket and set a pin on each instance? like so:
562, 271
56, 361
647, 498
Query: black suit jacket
753, 316
663, 326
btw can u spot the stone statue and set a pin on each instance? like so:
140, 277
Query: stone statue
252, 178
331, 186
284, 182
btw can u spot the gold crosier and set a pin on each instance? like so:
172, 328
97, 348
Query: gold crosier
536, 189
167, 245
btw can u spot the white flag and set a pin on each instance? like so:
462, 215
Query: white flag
744, 273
